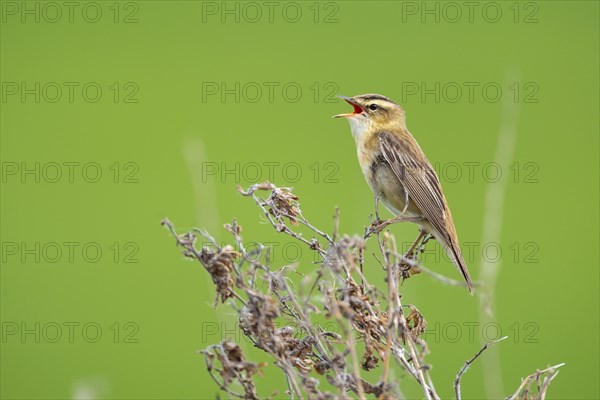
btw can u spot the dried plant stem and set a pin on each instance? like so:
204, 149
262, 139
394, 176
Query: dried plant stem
468, 364
281, 321
542, 387
395, 306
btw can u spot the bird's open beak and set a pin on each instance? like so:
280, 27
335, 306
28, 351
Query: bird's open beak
357, 109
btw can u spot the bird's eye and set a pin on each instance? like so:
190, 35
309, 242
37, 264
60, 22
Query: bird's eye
373, 107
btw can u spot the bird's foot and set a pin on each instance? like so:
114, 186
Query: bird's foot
407, 270
421, 248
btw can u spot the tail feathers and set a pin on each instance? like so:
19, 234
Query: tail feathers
452, 248
455, 255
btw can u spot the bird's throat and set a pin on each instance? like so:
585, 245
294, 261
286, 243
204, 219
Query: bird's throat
359, 127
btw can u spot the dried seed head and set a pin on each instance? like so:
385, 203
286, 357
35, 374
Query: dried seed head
283, 203
369, 360
415, 321
234, 228
220, 266
233, 367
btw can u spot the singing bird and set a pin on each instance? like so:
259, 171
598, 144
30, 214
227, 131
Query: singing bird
399, 173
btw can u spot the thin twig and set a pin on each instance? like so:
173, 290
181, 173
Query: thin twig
468, 364
553, 371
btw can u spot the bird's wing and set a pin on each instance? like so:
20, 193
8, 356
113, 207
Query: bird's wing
423, 186
418, 178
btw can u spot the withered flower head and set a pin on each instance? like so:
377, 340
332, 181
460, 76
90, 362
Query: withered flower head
415, 321
282, 202
233, 368
220, 266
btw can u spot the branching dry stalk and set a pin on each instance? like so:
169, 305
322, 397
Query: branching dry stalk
373, 331
535, 386
468, 364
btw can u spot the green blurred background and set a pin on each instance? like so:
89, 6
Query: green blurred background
164, 132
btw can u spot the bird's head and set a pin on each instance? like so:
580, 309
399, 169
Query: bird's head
373, 111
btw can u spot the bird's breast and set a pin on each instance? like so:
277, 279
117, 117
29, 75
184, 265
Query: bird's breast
383, 181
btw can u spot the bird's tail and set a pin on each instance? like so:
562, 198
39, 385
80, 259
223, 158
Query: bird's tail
455, 254
449, 241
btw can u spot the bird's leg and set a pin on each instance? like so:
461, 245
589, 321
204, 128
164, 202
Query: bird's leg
421, 247
411, 251
417, 247
377, 219
374, 228
426, 239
